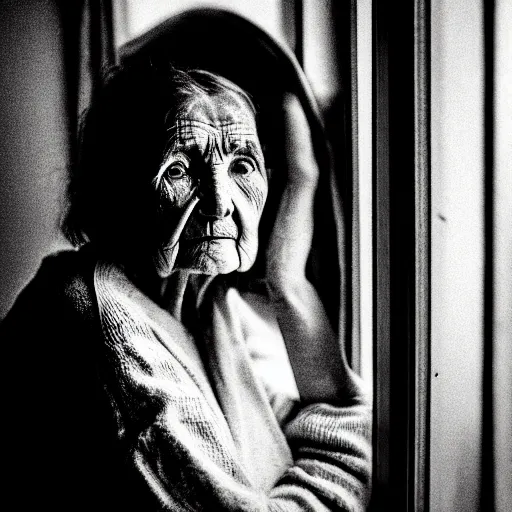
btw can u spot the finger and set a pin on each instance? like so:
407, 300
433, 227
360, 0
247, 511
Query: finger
182, 220
166, 255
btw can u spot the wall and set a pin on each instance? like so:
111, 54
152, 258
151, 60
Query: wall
471, 403
33, 151
457, 253
503, 258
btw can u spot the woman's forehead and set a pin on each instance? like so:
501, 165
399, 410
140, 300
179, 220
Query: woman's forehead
218, 110
222, 121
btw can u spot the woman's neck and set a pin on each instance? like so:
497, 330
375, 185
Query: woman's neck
182, 292
179, 293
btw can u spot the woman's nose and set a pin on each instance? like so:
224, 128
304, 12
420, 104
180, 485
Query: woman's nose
215, 198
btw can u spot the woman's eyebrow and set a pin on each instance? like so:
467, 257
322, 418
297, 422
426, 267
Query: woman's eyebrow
245, 147
181, 151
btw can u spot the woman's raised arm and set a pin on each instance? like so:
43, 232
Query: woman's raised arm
319, 366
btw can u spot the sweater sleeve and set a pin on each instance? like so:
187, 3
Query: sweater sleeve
331, 447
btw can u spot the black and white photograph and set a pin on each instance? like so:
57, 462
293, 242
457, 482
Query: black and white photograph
256, 255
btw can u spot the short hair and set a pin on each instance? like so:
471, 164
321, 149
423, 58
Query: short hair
121, 142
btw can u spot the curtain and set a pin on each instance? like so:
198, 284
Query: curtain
88, 41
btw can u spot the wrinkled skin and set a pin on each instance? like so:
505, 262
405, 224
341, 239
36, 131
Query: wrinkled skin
212, 187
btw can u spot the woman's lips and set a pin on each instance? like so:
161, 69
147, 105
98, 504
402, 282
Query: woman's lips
195, 233
210, 230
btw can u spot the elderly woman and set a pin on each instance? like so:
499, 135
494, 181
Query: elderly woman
145, 379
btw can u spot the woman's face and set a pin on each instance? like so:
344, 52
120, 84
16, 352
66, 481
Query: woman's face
212, 186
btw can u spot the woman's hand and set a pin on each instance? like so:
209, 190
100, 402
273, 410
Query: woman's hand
320, 368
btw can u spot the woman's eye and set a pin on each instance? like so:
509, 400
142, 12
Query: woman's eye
242, 167
176, 170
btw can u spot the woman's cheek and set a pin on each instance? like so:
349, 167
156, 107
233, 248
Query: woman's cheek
253, 190
249, 199
175, 193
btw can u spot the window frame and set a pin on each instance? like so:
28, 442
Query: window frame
401, 211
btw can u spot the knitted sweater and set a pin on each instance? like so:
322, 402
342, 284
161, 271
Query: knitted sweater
154, 419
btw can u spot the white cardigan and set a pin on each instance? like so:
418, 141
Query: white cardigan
196, 416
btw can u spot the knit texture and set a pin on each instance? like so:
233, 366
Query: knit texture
203, 435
